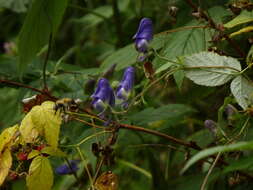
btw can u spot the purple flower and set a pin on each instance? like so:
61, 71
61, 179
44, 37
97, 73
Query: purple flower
143, 36
103, 95
65, 169
211, 126
124, 90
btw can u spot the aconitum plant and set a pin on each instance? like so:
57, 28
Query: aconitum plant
142, 38
126, 85
67, 169
103, 96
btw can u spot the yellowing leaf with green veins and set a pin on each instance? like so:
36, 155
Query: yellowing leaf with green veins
244, 17
53, 151
42, 120
28, 130
33, 154
5, 165
44, 116
243, 30
6, 136
40, 175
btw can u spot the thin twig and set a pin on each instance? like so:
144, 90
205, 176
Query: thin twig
216, 27
210, 171
46, 60
163, 135
181, 29
28, 87
85, 165
117, 22
71, 168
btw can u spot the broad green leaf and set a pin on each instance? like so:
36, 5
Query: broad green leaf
210, 151
244, 17
53, 151
179, 78
127, 55
40, 175
164, 67
6, 136
5, 165
165, 112
44, 116
242, 163
187, 42
43, 17
242, 89
217, 13
210, 69
243, 30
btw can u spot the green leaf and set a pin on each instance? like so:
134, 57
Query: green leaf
242, 163
210, 69
242, 89
127, 55
43, 18
179, 78
165, 112
15, 5
5, 165
40, 175
210, 151
164, 67
186, 42
243, 17
6, 136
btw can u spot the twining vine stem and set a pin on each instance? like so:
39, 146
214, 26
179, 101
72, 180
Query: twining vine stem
46, 60
216, 27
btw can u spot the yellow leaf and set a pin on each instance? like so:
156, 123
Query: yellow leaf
53, 151
28, 130
46, 118
42, 120
243, 30
40, 175
6, 136
107, 181
5, 165
33, 154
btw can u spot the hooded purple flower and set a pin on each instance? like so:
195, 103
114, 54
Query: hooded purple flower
65, 169
143, 36
103, 95
126, 84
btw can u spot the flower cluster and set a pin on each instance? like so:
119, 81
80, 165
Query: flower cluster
142, 38
66, 169
104, 94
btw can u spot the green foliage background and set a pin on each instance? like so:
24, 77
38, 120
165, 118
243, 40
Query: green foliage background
88, 37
